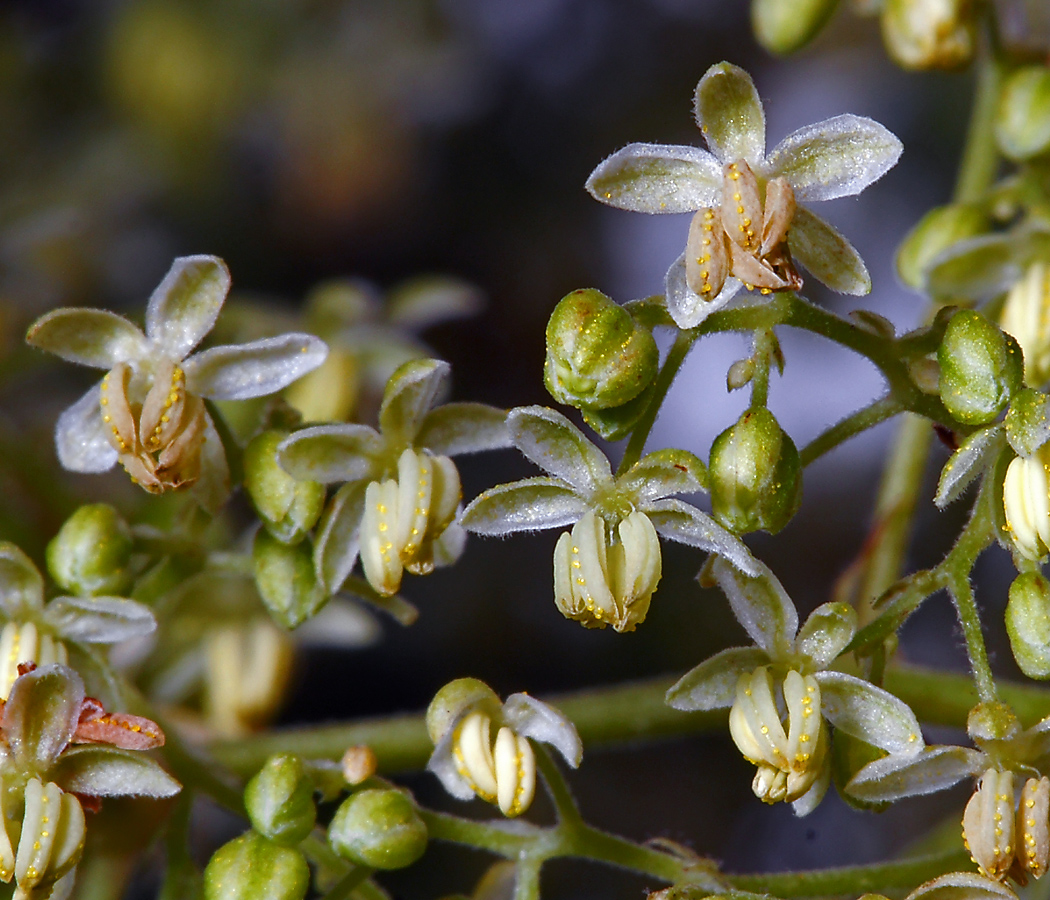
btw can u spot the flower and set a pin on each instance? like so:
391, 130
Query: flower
746, 227
1026, 503
607, 567
502, 771
148, 412
781, 691
1026, 315
400, 494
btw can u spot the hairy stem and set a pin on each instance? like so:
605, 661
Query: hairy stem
863, 419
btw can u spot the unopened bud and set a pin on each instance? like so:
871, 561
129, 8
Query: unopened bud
929, 34
378, 828
286, 580
288, 508
253, 868
1028, 623
755, 475
90, 553
456, 699
1022, 126
981, 367
358, 764
941, 228
784, 26
598, 356
280, 802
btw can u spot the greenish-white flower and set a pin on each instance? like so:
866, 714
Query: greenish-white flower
781, 690
1026, 315
148, 411
747, 227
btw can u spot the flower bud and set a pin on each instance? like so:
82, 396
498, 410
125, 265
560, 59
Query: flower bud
378, 828
503, 772
1026, 315
358, 764
605, 576
330, 392
1028, 623
1022, 126
90, 553
253, 868
286, 580
1026, 503
755, 474
784, 26
288, 508
24, 642
980, 368
988, 823
598, 356
403, 517
928, 34
1028, 421
453, 702
280, 801
939, 229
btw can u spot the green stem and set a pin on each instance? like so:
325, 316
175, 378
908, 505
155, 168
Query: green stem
346, 885
675, 357
962, 596
527, 878
765, 342
564, 803
980, 158
852, 425
590, 843
496, 837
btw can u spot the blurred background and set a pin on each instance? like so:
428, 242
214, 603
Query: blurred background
310, 140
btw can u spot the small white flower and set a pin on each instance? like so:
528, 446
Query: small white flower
503, 772
1026, 503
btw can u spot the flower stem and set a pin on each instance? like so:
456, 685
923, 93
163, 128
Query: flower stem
345, 886
980, 158
861, 420
564, 803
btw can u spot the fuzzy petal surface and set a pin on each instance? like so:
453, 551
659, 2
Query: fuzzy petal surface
81, 437
41, 715
827, 254
687, 308
90, 337
730, 115
241, 371
534, 719
934, 769
99, 620
186, 304
962, 886
415, 388
21, 585
869, 713
761, 605
678, 521
712, 684
527, 505
558, 447
657, 178
330, 453
664, 472
826, 633
339, 535
455, 428
100, 771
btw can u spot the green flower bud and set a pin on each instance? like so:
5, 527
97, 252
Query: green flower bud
939, 229
454, 700
1028, 421
981, 367
280, 800
755, 475
90, 553
1022, 126
252, 868
378, 828
286, 580
1028, 623
784, 26
597, 355
992, 721
288, 508
929, 34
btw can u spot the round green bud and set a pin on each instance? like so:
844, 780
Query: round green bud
1022, 126
455, 700
288, 508
929, 34
784, 26
90, 553
981, 367
378, 828
252, 868
280, 800
286, 580
939, 229
755, 475
1028, 624
598, 356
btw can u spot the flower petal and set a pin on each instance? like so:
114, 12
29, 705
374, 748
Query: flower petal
978, 268
730, 115
90, 337
962, 886
21, 584
339, 535
558, 447
455, 428
712, 684
974, 455
678, 521
838, 157
688, 308
526, 505
534, 719
657, 178
896, 776
99, 620
81, 437
832, 259
810, 800
761, 605
186, 303
443, 764
240, 371
213, 487
826, 633
415, 388
41, 715
664, 472
869, 713
330, 453
98, 771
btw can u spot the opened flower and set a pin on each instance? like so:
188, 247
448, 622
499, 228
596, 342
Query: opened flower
781, 691
607, 567
148, 411
747, 228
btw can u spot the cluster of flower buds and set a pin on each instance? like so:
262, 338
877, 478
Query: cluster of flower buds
1006, 835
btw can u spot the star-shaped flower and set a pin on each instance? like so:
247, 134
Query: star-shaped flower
148, 412
776, 687
746, 227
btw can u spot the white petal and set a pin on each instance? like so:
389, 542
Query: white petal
213, 486
832, 259
688, 308
729, 113
527, 505
240, 371
186, 303
558, 447
838, 157
91, 337
896, 776
81, 438
761, 605
869, 713
534, 719
657, 178
712, 684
